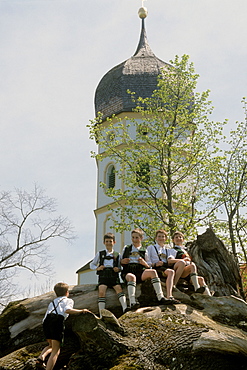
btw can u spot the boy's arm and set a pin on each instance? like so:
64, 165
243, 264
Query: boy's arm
153, 260
95, 262
171, 258
74, 311
148, 255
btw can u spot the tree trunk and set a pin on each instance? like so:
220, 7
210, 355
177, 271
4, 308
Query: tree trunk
216, 264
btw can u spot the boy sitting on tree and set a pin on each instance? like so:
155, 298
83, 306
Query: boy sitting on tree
184, 267
107, 265
136, 270
157, 257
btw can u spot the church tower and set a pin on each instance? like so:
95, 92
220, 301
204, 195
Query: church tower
138, 74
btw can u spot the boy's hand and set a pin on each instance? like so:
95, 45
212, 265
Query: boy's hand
125, 261
84, 310
142, 261
101, 267
116, 269
159, 263
187, 259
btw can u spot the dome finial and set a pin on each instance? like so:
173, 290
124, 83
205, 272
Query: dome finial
143, 12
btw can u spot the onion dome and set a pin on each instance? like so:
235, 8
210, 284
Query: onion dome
137, 74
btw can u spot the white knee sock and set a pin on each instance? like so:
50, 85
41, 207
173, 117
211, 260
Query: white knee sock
157, 287
101, 304
194, 280
131, 287
122, 300
207, 291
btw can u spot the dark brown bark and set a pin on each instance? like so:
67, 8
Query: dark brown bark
216, 264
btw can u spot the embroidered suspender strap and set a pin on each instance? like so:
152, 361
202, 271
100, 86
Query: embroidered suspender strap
167, 258
102, 255
127, 251
157, 252
115, 259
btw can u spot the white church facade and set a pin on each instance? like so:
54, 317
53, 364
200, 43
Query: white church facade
139, 74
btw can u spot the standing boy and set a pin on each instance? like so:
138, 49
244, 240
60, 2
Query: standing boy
136, 270
53, 325
184, 267
157, 257
107, 265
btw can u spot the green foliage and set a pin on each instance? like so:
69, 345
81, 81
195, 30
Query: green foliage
159, 155
225, 179
175, 168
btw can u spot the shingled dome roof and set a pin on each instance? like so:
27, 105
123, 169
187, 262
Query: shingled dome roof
137, 74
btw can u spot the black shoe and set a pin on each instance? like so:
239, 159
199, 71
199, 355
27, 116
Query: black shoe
164, 300
40, 364
200, 290
174, 301
216, 294
134, 306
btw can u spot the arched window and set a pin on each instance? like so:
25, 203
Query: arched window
111, 177
143, 174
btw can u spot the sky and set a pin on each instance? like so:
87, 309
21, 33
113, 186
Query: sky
53, 54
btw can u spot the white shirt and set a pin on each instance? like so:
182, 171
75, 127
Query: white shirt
62, 304
134, 254
107, 263
151, 255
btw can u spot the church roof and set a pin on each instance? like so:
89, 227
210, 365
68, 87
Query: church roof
137, 74
85, 267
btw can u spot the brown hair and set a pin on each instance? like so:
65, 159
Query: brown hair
161, 231
138, 231
177, 233
109, 236
61, 289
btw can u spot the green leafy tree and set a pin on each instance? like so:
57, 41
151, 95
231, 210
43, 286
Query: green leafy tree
160, 153
226, 177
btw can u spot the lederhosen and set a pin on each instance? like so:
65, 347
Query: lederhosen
133, 268
160, 269
108, 276
53, 324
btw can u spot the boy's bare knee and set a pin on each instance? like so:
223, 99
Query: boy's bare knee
170, 272
153, 273
130, 277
